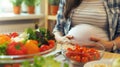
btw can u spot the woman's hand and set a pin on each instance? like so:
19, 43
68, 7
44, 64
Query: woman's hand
107, 44
69, 37
62, 39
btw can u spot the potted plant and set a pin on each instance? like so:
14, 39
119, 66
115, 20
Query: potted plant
16, 6
54, 4
31, 5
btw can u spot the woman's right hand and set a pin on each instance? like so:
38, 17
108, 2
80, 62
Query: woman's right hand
62, 39
58, 37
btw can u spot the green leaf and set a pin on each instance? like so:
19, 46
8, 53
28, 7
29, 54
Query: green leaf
32, 2
39, 61
16, 2
31, 33
26, 64
54, 2
3, 48
66, 65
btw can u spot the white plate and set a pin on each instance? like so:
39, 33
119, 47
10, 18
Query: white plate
107, 62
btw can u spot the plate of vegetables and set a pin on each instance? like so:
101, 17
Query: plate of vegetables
16, 48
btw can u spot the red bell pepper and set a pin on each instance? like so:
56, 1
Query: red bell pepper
16, 48
13, 35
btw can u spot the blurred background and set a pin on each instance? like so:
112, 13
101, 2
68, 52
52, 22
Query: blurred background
15, 15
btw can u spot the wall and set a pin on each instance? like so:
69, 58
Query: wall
16, 26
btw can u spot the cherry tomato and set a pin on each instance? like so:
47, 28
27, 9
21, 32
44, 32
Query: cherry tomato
69, 49
97, 55
91, 58
77, 58
82, 54
51, 43
43, 48
68, 55
84, 59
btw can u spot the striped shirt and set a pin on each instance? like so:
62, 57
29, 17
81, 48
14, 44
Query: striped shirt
89, 13
112, 8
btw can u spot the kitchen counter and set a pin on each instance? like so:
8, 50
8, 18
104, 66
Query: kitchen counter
109, 55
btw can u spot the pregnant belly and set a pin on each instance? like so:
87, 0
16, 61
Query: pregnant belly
83, 32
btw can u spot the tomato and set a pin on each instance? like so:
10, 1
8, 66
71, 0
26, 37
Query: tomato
43, 48
91, 50
77, 58
84, 59
7, 65
16, 65
82, 54
12, 65
51, 43
83, 49
13, 35
91, 58
85, 54
69, 49
68, 55
96, 55
77, 47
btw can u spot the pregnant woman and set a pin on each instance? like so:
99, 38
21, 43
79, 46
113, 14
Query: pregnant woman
89, 21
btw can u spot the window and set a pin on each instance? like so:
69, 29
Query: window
5, 6
6, 12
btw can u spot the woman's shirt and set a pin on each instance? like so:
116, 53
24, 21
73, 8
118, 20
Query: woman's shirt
113, 14
92, 13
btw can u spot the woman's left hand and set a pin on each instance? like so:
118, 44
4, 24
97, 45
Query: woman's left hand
107, 44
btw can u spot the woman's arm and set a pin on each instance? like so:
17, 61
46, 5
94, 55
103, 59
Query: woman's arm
58, 30
108, 44
117, 42
60, 19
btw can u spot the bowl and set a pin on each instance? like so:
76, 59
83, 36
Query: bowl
79, 55
100, 63
16, 60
